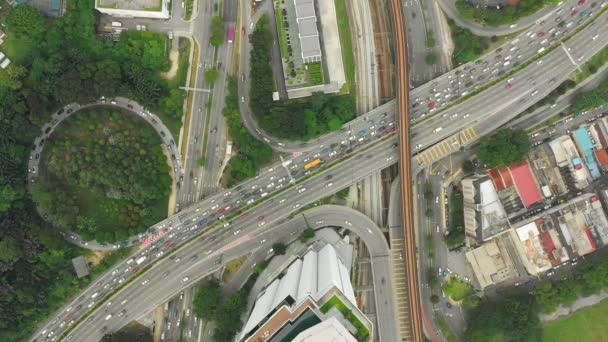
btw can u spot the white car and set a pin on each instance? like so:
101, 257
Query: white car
185, 279
301, 190
145, 282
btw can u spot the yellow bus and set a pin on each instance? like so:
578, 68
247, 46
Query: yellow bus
312, 164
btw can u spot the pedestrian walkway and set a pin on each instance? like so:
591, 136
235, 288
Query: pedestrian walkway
445, 147
400, 286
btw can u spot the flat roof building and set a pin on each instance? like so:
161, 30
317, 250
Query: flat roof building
491, 263
569, 161
308, 34
484, 215
158, 9
81, 267
5, 63
587, 146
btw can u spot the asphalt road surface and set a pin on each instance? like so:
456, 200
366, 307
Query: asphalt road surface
378, 157
451, 86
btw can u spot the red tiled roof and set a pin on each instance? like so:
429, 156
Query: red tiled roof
600, 135
601, 156
525, 183
506, 177
493, 173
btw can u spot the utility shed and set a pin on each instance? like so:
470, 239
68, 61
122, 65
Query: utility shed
80, 266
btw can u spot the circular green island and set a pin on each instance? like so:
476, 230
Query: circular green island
103, 175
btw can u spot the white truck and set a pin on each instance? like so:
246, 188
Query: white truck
140, 260
116, 24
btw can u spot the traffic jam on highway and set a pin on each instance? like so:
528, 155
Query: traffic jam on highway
463, 80
222, 208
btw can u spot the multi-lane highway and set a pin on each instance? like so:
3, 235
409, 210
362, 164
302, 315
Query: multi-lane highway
444, 90
558, 63
119, 103
348, 140
208, 249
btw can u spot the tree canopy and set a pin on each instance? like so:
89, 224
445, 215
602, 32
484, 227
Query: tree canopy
593, 98
217, 31
279, 248
113, 160
298, 119
62, 62
507, 14
511, 319
251, 153
503, 148
207, 300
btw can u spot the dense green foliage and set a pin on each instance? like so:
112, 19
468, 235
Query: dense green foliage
26, 21
511, 319
590, 99
467, 46
516, 317
306, 118
260, 74
508, 14
67, 57
306, 235
503, 148
217, 31
430, 59
590, 278
108, 189
455, 237
225, 312
251, 153
207, 300
64, 63
279, 248
211, 76
300, 119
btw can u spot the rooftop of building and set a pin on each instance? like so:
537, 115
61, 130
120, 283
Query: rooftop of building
310, 277
491, 263
133, 5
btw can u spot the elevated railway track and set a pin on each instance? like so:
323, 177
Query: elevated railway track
402, 80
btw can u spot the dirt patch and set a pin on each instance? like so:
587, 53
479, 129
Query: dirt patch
174, 58
232, 268
96, 257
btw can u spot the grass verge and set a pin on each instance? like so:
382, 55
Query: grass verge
586, 325
189, 6
232, 267
189, 100
278, 15
346, 44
